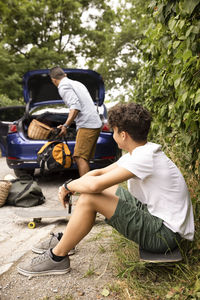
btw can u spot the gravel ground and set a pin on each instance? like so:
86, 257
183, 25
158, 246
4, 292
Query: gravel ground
91, 277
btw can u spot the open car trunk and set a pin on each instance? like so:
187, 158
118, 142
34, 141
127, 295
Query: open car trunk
51, 119
44, 103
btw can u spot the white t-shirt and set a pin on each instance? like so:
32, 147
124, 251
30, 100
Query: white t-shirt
76, 96
159, 184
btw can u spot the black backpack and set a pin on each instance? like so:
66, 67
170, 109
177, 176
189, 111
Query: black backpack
55, 154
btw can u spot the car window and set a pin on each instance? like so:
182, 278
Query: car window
11, 113
50, 108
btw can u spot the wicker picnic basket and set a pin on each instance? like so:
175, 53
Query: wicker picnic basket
38, 130
5, 186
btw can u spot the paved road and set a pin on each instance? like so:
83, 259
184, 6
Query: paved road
15, 237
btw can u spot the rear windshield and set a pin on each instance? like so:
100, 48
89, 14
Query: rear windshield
11, 113
50, 108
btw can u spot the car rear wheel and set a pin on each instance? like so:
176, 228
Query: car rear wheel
24, 172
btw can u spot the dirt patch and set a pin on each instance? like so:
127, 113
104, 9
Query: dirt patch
91, 277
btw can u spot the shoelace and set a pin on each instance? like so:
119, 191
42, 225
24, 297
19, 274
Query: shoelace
40, 258
52, 236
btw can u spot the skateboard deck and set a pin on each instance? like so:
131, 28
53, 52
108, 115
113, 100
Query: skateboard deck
170, 256
37, 215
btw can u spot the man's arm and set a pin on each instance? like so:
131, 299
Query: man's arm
71, 117
72, 101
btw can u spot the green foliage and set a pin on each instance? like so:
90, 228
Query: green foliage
40, 34
167, 83
112, 47
5, 101
168, 79
157, 281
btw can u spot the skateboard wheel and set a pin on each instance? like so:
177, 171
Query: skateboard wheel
31, 225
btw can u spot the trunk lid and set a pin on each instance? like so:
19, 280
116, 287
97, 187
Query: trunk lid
38, 88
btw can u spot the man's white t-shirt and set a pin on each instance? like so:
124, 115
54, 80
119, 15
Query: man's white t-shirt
76, 96
159, 184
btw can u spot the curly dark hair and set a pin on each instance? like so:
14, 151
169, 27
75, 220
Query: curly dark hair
132, 118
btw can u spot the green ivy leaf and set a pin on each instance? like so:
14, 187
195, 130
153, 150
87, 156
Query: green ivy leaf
181, 24
176, 62
184, 97
189, 6
197, 285
177, 82
189, 31
176, 44
197, 99
187, 54
171, 24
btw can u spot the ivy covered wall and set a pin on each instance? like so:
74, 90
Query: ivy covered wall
168, 81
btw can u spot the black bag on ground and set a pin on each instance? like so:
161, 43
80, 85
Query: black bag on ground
25, 192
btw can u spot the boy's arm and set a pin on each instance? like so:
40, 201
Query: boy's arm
97, 183
102, 171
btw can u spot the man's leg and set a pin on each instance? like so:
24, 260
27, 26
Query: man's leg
83, 165
86, 140
83, 218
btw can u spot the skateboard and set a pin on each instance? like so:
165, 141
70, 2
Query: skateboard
170, 256
37, 215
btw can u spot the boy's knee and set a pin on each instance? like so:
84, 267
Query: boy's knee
86, 199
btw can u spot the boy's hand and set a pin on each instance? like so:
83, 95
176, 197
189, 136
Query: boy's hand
62, 195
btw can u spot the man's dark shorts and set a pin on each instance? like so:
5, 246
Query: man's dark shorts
132, 219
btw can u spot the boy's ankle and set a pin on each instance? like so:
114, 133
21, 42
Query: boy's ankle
55, 257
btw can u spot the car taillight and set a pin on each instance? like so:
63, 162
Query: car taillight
108, 157
12, 128
105, 127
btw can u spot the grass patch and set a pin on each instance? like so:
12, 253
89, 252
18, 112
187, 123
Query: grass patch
102, 249
156, 281
90, 272
100, 235
141, 280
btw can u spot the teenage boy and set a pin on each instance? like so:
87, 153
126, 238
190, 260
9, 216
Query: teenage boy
155, 212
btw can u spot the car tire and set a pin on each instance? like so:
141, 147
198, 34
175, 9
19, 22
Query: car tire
24, 172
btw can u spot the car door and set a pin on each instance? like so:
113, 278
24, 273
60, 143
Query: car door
8, 115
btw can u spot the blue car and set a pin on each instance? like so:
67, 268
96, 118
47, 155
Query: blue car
8, 115
44, 104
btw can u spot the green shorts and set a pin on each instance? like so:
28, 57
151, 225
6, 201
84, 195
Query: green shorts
133, 220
